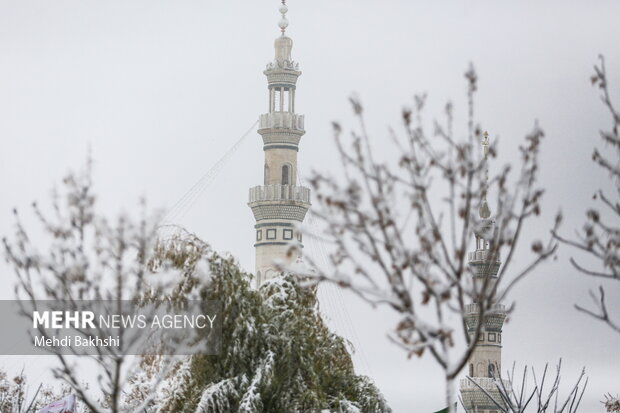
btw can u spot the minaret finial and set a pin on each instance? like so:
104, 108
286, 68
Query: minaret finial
283, 23
485, 212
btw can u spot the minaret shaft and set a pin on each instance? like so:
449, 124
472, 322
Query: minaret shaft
279, 205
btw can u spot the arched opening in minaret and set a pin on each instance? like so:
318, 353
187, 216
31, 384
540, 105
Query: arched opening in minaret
491, 370
286, 175
266, 174
471, 369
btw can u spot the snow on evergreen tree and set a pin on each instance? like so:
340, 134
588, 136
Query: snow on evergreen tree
277, 353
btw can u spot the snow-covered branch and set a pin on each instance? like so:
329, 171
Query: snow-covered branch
400, 228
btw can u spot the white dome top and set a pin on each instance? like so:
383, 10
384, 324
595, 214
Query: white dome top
283, 23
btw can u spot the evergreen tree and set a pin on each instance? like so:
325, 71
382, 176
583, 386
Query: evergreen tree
277, 353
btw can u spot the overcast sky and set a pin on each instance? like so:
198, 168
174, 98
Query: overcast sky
161, 90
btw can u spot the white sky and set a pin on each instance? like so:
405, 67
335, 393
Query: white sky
161, 90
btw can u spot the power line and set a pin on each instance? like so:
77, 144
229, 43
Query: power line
183, 205
341, 311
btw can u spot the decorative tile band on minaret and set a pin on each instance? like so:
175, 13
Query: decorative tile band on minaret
279, 205
486, 358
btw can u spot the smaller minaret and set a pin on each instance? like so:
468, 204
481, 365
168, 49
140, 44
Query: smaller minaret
486, 358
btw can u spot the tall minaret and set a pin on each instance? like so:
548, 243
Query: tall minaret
279, 205
487, 355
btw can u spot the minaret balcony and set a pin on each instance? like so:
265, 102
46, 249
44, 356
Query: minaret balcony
475, 399
281, 120
483, 264
283, 73
279, 202
495, 309
486, 383
493, 318
482, 256
280, 193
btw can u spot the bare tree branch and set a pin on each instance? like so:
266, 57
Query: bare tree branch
400, 229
